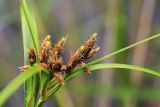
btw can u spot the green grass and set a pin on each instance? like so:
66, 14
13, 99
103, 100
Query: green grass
36, 82
17, 82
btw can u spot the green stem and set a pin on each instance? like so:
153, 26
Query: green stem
39, 103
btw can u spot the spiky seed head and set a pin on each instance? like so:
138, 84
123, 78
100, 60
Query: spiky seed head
44, 49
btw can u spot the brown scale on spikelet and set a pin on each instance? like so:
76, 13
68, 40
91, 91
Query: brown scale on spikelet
59, 77
88, 45
45, 47
51, 59
32, 59
92, 53
32, 56
54, 61
85, 68
23, 68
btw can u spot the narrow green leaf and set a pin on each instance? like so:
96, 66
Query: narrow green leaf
30, 40
17, 82
29, 26
79, 71
114, 65
124, 49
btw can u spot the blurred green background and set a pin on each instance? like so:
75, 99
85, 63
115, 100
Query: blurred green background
118, 24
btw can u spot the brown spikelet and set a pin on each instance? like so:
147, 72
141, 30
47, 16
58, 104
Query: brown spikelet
85, 52
75, 58
44, 49
58, 47
92, 52
32, 56
55, 62
88, 45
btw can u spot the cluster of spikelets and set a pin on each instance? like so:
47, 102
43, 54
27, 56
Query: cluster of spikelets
50, 58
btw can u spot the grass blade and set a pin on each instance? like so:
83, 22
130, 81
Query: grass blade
30, 23
124, 49
79, 71
114, 65
30, 39
17, 82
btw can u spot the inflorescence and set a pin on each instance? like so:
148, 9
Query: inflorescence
50, 58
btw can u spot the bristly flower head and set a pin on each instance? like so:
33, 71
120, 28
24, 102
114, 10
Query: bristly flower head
85, 52
45, 47
50, 58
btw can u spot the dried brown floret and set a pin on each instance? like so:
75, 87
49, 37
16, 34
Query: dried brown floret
44, 49
23, 68
92, 53
32, 56
58, 47
86, 69
55, 62
88, 45
59, 77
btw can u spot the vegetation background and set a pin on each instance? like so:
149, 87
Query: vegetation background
118, 24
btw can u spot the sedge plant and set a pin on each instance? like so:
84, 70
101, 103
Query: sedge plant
44, 72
